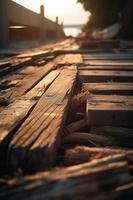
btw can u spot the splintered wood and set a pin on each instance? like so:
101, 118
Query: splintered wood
15, 113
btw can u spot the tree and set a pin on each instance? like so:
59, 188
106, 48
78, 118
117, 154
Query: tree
104, 12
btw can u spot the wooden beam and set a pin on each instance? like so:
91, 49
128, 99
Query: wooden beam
124, 136
107, 67
107, 88
107, 113
108, 62
39, 133
103, 76
108, 56
81, 154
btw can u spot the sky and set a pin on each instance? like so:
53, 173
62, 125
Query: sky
69, 11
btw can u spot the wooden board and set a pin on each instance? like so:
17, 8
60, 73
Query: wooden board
102, 177
14, 64
108, 62
111, 98
26, 58
122, 136
123, 133
108, 57
108, 54
99, 44
103, 76
109, 88
12, 116
31, 76
37, 140
105, 113
108, 67
26, 79
81, 154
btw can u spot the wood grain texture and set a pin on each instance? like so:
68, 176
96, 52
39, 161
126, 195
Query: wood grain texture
103, 76
109, 63
110, 88
38, 137
12, 116
109, 112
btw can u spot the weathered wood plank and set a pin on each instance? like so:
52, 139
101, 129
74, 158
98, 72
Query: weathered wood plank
69, 59
101, 175
98, 44
110, 113
103, 76
15, 113
124, 136
75, 126
81, 154
107, 67
110, 89
100, 137
108, 57
14, 64
81, 138
108, 63
36, 142
27, 78
32, 75
111, 98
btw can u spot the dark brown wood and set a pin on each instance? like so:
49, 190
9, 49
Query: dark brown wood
14, 64
107, 56
113, 131
75, 126
103, 76
99, 176
105, 113
89, 139
107, 44
107, 67
123, 135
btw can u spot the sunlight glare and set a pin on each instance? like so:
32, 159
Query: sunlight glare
68, 10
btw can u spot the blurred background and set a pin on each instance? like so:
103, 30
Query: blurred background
69, 12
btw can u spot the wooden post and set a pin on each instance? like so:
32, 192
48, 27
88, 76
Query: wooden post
4, 32
57, 27
42, 24
62, 30
62, 26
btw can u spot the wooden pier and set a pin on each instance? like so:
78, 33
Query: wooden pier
66, 127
